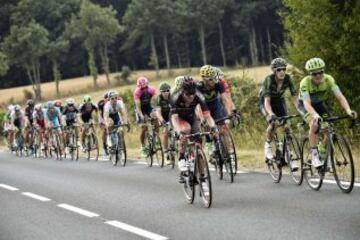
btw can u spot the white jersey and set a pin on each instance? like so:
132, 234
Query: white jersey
109, 109
13, 116
37, 116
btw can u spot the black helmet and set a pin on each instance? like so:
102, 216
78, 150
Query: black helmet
30, 102
188, 84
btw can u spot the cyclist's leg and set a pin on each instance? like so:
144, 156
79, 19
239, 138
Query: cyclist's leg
268, 134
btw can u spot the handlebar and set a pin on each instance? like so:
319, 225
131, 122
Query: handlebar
115, 127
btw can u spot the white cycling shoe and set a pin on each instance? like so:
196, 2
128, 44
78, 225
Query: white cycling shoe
183, 165
315, 158
268, 151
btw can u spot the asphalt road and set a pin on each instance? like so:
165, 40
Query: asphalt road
49, 199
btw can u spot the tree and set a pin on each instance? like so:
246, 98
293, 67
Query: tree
25, 46
4, 67
333, 35
97, 27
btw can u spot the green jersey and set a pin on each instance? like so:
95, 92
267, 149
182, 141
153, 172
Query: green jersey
318, 92
270, 88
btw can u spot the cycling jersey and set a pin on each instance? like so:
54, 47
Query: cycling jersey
270, 88
318, 93
164, 105
226, 86
53, 117
145, 95
17, 120
39, 118
86, 111
29, 114
70, 114
113, 111
184, 110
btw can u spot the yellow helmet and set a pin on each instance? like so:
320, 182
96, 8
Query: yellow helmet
207, 71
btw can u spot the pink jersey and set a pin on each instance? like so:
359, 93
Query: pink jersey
144, 94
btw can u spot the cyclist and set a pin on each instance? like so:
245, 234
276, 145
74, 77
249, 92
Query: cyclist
17, 118
272, 101
316, 90
59, 105
142, 97
86, 115
7, 124
53, 120
221, 78
39, 122
115, 112
184, 119
163, 115
29, 109
70, 112
103, 127
219, 103
178, 83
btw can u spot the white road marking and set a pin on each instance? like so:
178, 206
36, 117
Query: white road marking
78, 210
135, 230
8, 187
334, 182
37, 197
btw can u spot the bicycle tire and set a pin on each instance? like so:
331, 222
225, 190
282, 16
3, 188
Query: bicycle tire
122, 150
226, 160
158, 150
293, 143
348, 185
274, 165
189, 185
235, 165
148, 147
312, 175
206, 194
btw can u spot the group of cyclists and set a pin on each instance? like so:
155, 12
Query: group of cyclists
187, 107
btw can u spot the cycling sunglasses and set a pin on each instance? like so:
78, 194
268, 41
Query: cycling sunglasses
164, 91
210, 79
113, 98
317, 73
190, 93
281, 69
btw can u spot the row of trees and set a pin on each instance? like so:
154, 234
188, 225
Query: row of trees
44, 40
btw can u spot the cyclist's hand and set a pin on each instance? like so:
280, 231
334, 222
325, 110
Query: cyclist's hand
215, 132
271, 118
352, 113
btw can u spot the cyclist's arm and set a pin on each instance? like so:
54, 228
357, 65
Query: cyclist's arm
295, 100
309, 108
138, 108
228, 103
267, 105
209, 120
159, 115
175, 120
343, 101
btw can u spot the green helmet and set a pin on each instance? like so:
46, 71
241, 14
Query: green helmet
179, 81
278, 62
164, 87
314, 64
87, 99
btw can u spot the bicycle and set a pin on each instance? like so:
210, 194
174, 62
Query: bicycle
288, 147
198, 170
19, 146
39, 146
71, 142
172, 148
153, 145
221, 156
118, 147
91, 141
54, 144
334, 159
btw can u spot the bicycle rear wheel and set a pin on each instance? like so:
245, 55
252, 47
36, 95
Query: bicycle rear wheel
313, 176
148, 148
227, 163
202, 168
234, 163
342, 163
293, 154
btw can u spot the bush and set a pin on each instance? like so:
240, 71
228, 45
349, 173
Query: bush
28, 94
123, 78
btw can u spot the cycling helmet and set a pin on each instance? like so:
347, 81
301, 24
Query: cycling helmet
179, 81
314, 64
219, 73
106, 95
142, 82
17, 108
164, 87
278, 62
10, 107
189, 84
207, 71
70, 101
113, 93
30, 102
50, 104
38, 107
87, 99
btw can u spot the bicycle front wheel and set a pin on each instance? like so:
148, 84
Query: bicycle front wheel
203, 172
227, 163
122, 150
313, 176
234, 163
274, 165
148, 148
293, 156
158, 150
342, 163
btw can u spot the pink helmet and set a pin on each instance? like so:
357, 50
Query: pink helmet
142, 82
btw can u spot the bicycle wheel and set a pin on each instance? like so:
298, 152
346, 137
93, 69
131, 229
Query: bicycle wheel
202, 168
234, 163
158, 150
293, 154
219, 167
92, 147
274, 165
313, 176
122, 150
342, 163
148, 148
227, 163
189, 185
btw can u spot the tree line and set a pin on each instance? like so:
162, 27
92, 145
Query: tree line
45, 40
